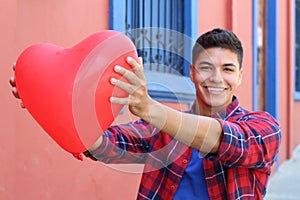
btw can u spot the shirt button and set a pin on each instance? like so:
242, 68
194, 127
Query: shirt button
184, 161
172, 187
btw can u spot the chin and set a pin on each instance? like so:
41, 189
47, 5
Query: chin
216, 104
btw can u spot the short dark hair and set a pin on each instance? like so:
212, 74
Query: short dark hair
218, 38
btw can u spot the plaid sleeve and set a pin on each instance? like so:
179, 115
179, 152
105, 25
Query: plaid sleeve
250, 141
128, 143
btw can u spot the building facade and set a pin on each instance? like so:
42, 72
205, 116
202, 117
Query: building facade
35, 167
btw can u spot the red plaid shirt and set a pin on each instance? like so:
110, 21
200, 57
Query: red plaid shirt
239, 170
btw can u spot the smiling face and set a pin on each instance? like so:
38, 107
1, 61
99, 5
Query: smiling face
216, 75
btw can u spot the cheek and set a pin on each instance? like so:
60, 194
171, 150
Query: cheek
199, 78
234, 82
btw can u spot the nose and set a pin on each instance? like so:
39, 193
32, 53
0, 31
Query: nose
216, 75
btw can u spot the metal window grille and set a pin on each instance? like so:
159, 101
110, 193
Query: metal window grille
297, 47
156, 27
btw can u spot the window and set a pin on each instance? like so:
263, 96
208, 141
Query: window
157, 29
297, 50
163, 32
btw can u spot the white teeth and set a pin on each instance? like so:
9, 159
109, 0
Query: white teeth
215, 89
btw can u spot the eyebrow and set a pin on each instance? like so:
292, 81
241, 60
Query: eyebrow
224, 65
205, 63
229, 64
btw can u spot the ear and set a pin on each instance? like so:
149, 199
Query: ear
240, 76
192, 72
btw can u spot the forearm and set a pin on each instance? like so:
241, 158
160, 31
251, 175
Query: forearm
197, 131
200, 132
96, 144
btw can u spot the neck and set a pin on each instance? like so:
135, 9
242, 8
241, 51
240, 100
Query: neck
204, 110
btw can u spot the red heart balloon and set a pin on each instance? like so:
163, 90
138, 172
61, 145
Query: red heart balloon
67, 90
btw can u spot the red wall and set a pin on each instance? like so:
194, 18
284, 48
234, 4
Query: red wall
293, 107
285, 94
289, 109
34, 167
234, 15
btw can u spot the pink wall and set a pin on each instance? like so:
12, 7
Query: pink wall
285, 94
293, 107
288, 108
234, 15
33, 166
295, 129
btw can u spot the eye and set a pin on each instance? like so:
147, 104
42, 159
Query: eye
228, 69
205, 67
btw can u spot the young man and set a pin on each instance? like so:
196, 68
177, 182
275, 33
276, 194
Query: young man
217, 150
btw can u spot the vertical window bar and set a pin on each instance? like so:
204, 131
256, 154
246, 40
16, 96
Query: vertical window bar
182, 45
177, 28
166, 47
136, 18
158, 36
165, 36
171, 46
297, 47
144, 14
126, 18
151, 34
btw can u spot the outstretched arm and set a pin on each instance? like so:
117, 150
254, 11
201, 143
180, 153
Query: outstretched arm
200, 132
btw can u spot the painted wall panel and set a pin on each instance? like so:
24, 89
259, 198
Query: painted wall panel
236, 16
211, 16
295, 129
242, 26
35, 167
284, 68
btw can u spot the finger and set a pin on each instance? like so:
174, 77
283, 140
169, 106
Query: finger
15, 92
123, 85
22, 105
140, 60
129, 75
134, 64
122, 101
12, 81
137, 66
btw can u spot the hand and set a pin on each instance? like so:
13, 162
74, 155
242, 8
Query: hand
14, 90
138, 99
199, 132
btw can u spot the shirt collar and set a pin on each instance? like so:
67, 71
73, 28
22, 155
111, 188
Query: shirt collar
225, 113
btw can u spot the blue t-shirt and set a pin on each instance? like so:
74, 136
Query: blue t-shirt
193, 185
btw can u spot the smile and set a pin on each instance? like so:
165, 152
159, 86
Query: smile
215, 90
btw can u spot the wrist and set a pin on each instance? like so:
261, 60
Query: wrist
156, 114
96, 145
